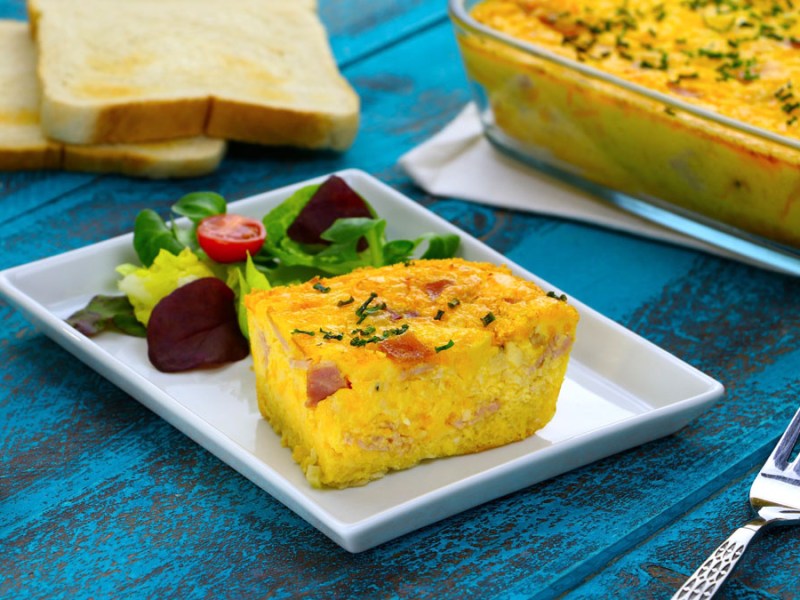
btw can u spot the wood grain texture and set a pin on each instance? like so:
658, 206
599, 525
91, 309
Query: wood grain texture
100, 498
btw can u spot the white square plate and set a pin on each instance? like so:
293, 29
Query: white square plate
620, 391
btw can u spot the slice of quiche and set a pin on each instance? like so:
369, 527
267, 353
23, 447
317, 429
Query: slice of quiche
382, 368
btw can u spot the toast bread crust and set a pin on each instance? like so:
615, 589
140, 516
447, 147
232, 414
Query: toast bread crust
154, 161
128, 123
280, 126
36, 157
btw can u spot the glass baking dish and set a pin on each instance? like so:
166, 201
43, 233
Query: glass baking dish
719, 179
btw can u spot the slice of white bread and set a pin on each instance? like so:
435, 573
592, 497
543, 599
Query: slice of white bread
24, 146
258, 71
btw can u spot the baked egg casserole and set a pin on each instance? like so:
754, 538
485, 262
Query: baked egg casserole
730, 158
382, 368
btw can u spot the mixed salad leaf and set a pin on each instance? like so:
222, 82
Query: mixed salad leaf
195, 326
107, 313
331, 229
187, 294
146, 286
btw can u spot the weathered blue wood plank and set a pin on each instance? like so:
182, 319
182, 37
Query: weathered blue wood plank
545, 516
98, 497
358, 29
663, 561
13, 9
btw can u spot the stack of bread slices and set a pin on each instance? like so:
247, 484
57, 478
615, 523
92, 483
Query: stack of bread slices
153, 88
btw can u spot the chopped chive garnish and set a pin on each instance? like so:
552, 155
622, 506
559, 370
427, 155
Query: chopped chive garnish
303, 331
454, 302
369, 330
366, 310
444, 347
364, 341
360, 310
350, 300
562, 297
397, 331
371, 311
362, 337
321, 288
487, 318
329, 335
439, 315
682, 76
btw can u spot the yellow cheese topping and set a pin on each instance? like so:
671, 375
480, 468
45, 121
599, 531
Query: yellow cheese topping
736, 57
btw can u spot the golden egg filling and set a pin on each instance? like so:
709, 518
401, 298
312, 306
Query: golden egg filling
379, 369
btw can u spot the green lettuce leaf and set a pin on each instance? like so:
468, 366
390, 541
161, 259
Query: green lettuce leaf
146, 286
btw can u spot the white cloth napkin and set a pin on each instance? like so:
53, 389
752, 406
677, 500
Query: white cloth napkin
459, 162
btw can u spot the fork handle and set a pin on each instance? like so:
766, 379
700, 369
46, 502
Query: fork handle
709, 578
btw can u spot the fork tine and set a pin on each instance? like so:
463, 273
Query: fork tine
783, 449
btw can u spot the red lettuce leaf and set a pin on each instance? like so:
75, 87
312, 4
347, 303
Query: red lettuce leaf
334, 199
104, 313
195, 327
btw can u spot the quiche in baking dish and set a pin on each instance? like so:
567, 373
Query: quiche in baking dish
382, 368
693, 105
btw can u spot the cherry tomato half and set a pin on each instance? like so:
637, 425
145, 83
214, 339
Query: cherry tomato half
228, 238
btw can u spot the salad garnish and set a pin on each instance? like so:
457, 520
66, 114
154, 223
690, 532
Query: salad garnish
186, 295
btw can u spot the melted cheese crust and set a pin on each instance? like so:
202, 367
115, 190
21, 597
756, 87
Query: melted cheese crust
737, 58
436, 358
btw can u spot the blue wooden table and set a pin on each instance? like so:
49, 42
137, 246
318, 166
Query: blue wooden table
100, 498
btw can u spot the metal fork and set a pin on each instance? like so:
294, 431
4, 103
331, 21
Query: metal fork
775, 499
